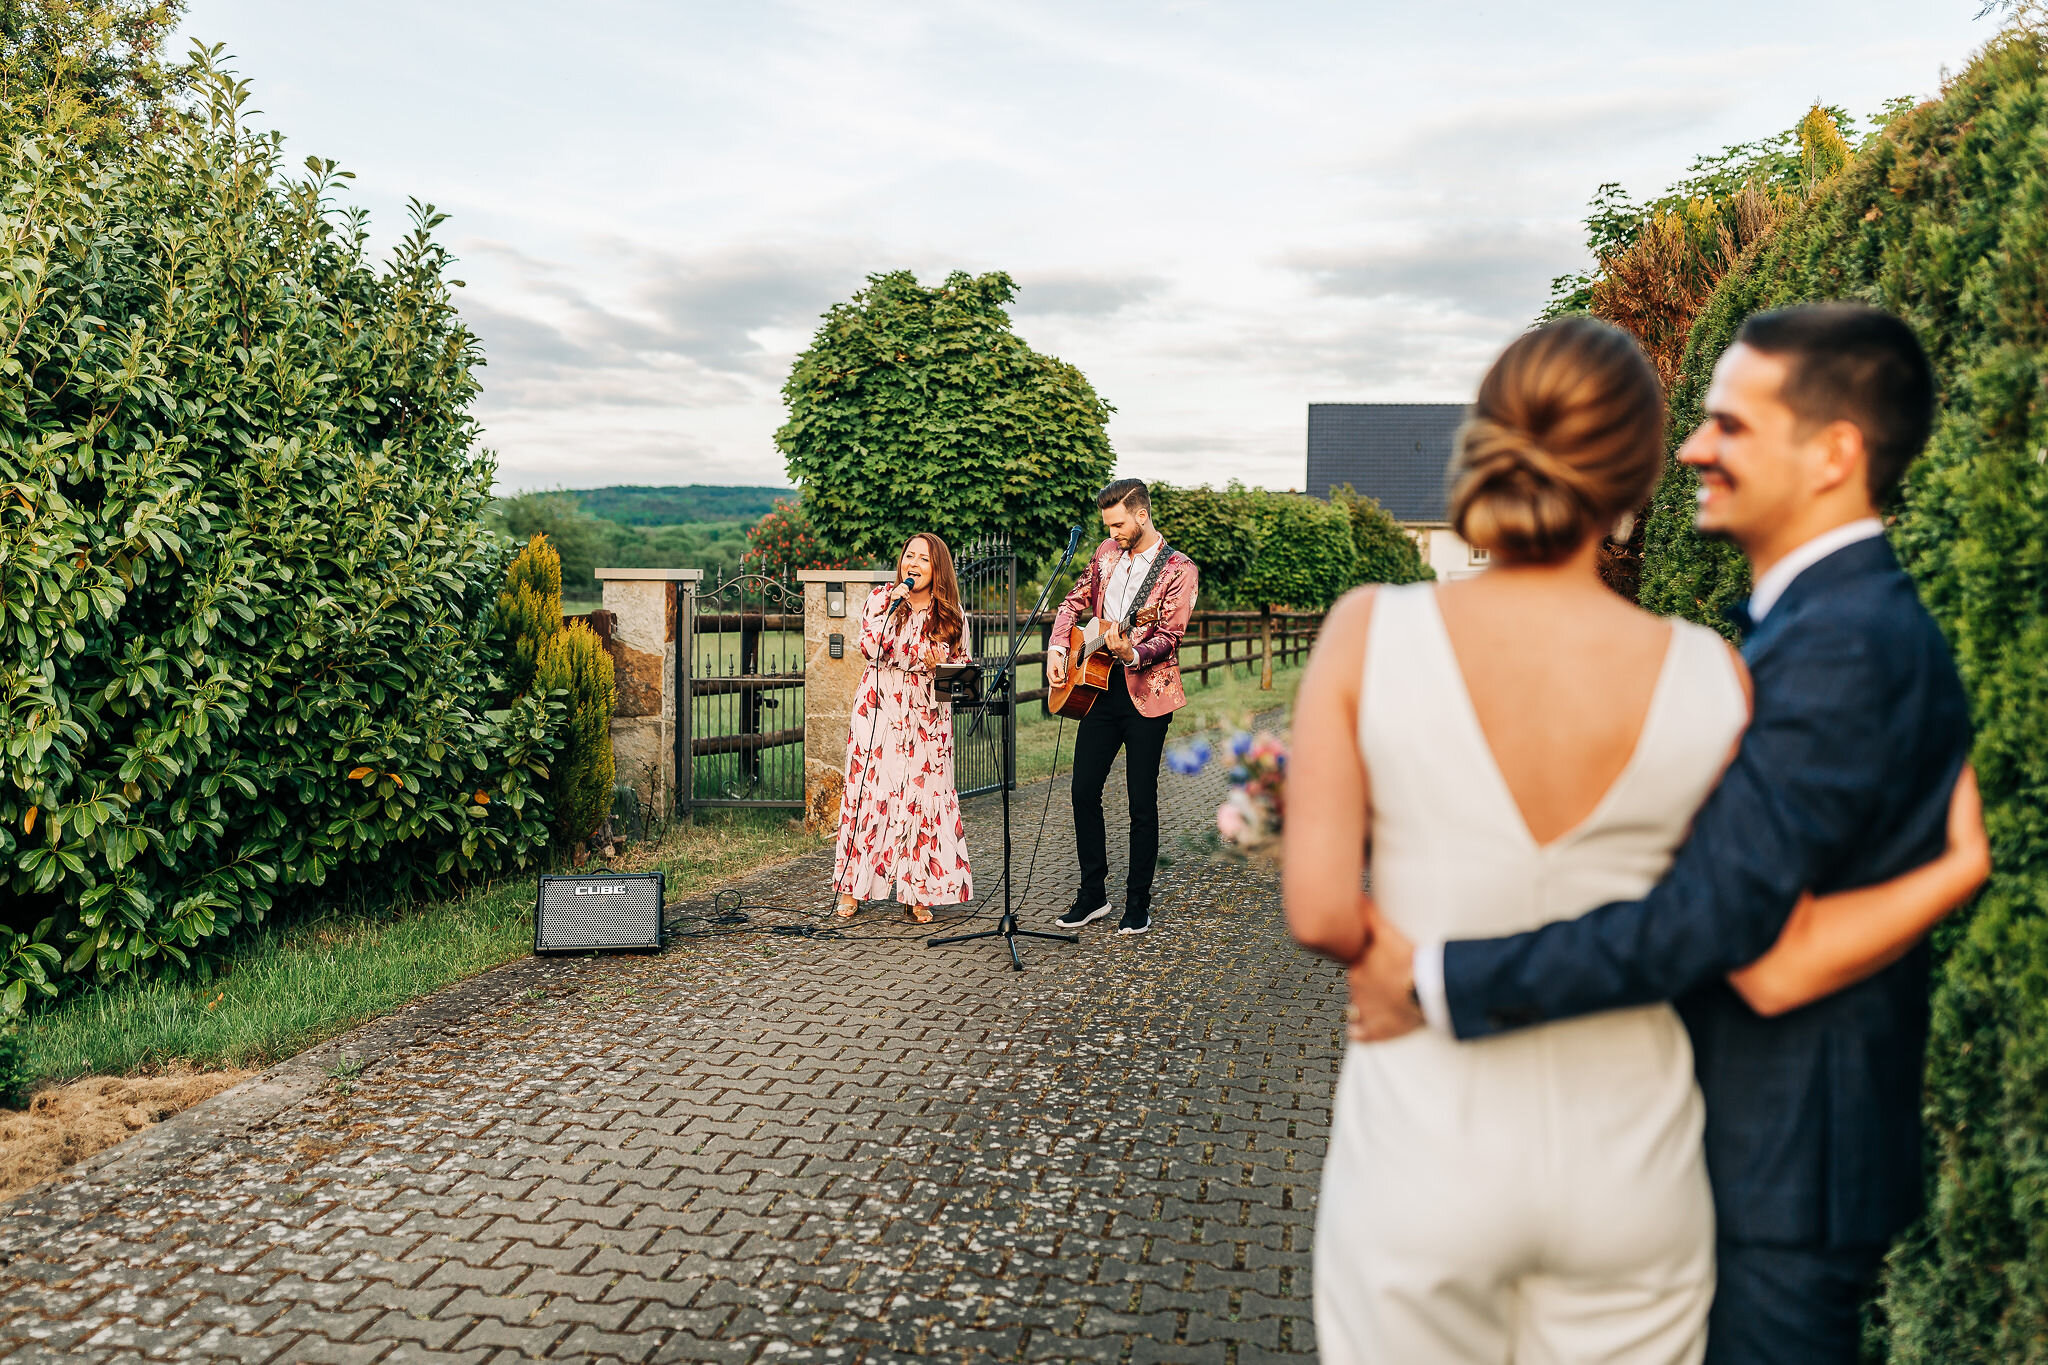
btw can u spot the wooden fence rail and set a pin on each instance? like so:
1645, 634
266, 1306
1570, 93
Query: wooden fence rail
1272, 637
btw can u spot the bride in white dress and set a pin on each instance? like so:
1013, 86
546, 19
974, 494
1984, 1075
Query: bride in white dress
1519, 748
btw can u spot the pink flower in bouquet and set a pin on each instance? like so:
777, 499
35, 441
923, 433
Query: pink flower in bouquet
1230, 822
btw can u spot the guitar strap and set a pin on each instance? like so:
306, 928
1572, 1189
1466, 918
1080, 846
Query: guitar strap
1145, 588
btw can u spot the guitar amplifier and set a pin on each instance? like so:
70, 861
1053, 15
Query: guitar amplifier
599, 912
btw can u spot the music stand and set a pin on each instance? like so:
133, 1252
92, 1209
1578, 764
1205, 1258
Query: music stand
1001, 689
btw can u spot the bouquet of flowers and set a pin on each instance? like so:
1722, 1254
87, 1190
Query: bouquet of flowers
1250, 818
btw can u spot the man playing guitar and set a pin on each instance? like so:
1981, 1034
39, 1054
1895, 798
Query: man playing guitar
1142, 592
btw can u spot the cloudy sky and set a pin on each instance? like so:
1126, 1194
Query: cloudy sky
1221, 212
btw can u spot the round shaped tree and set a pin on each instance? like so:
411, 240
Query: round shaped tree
920, 408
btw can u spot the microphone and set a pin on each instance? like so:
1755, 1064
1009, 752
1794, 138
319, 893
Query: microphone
1074, 538
905, 588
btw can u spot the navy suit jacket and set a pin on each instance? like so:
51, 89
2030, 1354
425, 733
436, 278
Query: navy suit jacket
1842, 780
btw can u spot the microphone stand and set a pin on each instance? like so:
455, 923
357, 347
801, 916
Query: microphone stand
1004, 687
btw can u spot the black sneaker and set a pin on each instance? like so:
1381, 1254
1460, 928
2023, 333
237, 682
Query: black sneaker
1137, 920
1078, 916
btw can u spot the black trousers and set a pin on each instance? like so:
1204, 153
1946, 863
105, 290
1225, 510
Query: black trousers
1781, 1305
1114, 723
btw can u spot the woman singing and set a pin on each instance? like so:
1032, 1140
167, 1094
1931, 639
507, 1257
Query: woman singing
900, 835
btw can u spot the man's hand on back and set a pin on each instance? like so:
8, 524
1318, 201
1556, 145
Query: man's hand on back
1382, 986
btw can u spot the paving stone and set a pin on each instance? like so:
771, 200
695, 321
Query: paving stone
843, 1150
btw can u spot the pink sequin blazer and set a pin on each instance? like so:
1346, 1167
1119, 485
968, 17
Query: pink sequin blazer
1163, 617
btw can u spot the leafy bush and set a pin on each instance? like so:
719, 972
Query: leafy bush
573, 663
918, 408
1260, 548
1944, 219
1211, 526
247, 641
1306, 555
1386, 552
16, 1074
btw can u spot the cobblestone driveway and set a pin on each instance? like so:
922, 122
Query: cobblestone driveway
750, 1149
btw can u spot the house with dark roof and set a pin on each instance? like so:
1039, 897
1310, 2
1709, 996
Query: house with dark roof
1399, 454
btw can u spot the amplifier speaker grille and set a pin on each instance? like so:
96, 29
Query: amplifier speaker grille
611, 911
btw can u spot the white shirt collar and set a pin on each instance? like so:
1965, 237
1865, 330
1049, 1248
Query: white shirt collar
1772, 584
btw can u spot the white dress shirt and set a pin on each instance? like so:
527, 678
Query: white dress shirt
1769, 587
1123, 582
1126, 578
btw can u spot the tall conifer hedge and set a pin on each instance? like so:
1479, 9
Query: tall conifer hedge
1944, 219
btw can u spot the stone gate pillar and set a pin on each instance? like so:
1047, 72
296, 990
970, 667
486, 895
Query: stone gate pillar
649, 605
829, 683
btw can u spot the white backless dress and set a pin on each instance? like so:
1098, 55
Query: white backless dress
1539, 1196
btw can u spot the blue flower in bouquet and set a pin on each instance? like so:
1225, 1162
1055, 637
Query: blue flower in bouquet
1240, 744
1190, 758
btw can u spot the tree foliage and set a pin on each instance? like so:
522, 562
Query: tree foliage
916, 408
1698, 227
1944, 220
586, 541
1211, 526
1260, 548
1306, 556
247, 640
95, 68
1386, 552
631, 504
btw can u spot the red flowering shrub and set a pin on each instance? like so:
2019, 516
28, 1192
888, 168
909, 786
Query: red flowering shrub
782, 542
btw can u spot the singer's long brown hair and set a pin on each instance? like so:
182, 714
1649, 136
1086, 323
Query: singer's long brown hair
946, 620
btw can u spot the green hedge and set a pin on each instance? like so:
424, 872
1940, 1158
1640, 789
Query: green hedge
246, 586
1260, 548
1944, 219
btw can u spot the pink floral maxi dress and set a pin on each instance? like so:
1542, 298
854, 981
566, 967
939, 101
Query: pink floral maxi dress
900, 833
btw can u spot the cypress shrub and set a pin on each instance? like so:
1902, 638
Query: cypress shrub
1944, 220
530, 609
573, 663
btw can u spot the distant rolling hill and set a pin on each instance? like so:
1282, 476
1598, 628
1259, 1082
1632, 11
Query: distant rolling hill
676, 505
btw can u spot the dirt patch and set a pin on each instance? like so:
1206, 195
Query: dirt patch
68, 1123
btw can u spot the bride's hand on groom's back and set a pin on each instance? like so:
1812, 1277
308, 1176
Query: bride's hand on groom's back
1382, 984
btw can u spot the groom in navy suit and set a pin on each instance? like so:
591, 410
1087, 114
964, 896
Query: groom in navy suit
1843, 780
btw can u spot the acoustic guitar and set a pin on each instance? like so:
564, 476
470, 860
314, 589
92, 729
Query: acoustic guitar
1088, 665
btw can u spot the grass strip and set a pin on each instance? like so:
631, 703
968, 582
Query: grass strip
290, 986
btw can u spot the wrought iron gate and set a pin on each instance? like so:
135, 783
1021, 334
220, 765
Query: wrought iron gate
740, 694
985, 753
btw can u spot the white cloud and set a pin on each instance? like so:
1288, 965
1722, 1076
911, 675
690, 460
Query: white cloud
1220, 212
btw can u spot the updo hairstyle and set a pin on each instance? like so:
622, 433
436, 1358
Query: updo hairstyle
1567, 434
